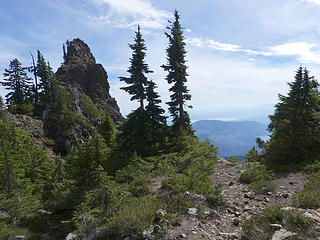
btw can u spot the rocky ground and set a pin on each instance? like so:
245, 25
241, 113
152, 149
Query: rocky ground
226, 223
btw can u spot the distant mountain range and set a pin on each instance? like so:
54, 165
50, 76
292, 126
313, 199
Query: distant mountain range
233, 138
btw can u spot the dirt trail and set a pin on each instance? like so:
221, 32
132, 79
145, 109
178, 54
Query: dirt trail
226, 223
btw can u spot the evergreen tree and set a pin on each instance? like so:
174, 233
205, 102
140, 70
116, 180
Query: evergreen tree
84, 164
294, 127
1, 104
134, 132
177, 75
153, 108
24, 171
137, 81
33, 69
106, 129
156, 125
47, 77
18, 83
64, 54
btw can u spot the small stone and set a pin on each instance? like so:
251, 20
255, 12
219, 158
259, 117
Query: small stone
276, 226
157, 228
287, 208
282, 234
72, 236
269, 193
235, 221
281, 187
20, 237
194, 232
207, 212
182, 235
237, 214
192, 211
246, 195
285, 195
160, 212
267, 199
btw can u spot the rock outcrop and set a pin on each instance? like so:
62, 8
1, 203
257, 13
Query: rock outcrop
80, 71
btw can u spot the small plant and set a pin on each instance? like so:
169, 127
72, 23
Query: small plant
234, 160
134, 216
312, 168
258, 227
259, 178
309, 196
88, 108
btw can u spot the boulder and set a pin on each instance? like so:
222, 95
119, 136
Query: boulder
283, 234
93, 234
20, 237
72, 236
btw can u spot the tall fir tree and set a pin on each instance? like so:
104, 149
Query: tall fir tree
156, 126
177, 75
45, 86
295, 134
33, 69
153, 108
18, 83
64, 53
137, 81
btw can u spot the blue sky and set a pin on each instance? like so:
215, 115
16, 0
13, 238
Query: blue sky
240, 53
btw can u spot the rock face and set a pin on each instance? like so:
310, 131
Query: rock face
80, 71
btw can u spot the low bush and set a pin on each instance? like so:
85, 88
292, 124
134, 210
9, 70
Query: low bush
258, 227
234, 160
259, 178
309, 196
135, 215
8, 230
312, 168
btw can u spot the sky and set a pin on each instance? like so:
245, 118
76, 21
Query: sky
240, 54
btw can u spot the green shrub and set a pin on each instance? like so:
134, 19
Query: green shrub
9, 230
312, 168
135, 215
259, 178
88, 108
234, 160
258, 227
309, 196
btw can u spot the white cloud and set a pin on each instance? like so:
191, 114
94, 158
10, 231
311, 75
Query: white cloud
302, 50
130, 13
312, 1
199, 42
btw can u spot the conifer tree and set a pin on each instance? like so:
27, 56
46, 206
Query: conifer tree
64, 53
137, 81
33, 69
153, 108
18, 83
156, 124
294, 129
47, 77
106, 129
84, 164
177, 75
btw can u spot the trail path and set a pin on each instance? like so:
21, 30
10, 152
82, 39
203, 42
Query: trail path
226, 223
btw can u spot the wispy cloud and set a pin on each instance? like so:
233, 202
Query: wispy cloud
312, 1
304, 52
199, 42
130, 13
